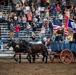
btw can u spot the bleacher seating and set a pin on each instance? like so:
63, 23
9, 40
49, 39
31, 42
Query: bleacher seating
6, 9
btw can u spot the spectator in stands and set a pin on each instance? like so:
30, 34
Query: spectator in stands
54, 9
60, 17
50, 10
51, 27
23, 1
63, 3
1, 16
40, 23
24, 10
28, 27
35, 19
20, 20
67, 12
15, 18
1, 43
12, 29
34, 27
37, 12
9, 22
58, 9
33, 36
17, 30
43, 39
6, 2
71, 10
42, 32
70, 37
24, 20
60, 33
47, 2
47, 13
29, 17
33, 8
47, 43
18, 8
44, 23
75, 12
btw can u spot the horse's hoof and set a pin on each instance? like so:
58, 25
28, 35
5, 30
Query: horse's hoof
30, 62
19, 61
45, 62
16, 60
42, 60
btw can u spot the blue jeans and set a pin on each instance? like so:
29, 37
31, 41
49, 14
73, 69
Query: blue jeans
17, 34
15, 23
51, 31
27, 32
24, 25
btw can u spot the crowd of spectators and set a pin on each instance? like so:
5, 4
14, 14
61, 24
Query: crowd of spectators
30, 15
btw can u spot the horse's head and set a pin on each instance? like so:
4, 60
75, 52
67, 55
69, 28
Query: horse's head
8, 45
11, 44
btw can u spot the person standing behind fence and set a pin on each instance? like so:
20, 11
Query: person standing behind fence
12, 29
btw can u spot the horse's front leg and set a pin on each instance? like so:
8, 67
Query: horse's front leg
29, 57
19, 57
46, 56
46, 59
43, 59
15, 57
33, 58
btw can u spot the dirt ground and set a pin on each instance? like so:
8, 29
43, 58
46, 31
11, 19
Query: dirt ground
10, 67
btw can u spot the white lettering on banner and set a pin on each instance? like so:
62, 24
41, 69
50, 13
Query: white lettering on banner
73, 24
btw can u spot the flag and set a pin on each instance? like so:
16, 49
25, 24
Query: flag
70, 24
56, 23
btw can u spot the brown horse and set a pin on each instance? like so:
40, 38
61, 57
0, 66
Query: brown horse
32, 49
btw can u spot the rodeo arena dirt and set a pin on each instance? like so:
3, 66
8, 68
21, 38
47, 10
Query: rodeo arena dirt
37, 37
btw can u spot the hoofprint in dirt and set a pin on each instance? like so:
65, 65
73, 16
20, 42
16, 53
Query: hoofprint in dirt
10, 67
